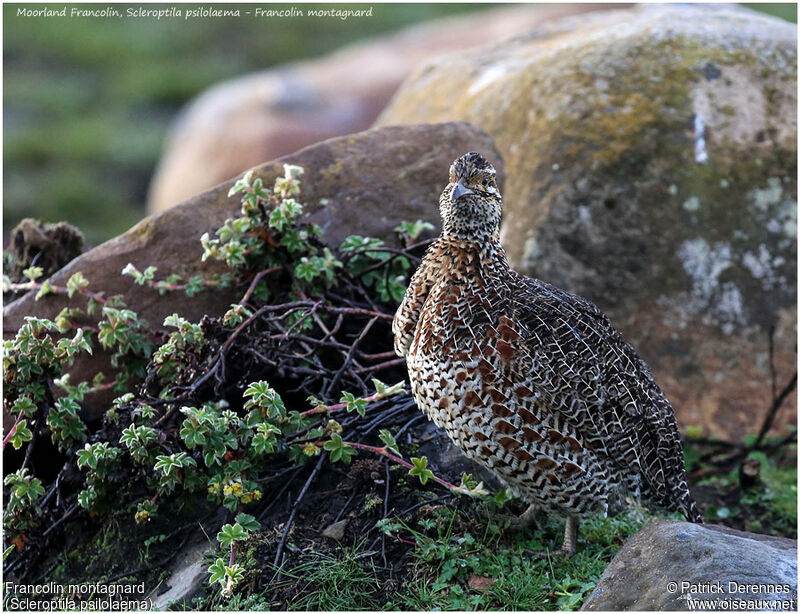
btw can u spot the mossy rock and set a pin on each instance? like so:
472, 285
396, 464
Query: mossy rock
651, 159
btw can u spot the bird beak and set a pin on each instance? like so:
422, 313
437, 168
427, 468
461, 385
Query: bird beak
460, 191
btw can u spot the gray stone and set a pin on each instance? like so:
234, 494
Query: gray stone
336, 530
188, 576
652, 167
669, 563
447, 460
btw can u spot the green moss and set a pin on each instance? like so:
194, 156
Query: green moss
453, 545
625, 124
646, 103
100, 549
332, 170
775, 496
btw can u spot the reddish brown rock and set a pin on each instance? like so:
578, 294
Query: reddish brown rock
363, 183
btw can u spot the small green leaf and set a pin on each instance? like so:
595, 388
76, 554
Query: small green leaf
76, 283
23, 405
33, 273
234, 573
338, 449
420, 469
231, 533
86, 457
306, 269
261, 396
217, 571
384, 391
353, 404
44, 290
248, 522
413, 229
21, 435
388, 439
501, 496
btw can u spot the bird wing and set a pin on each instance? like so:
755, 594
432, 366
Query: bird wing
586, 371
405, 320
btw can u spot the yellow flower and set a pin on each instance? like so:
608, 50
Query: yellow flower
142, 516
213, 488
253, 495
310, 449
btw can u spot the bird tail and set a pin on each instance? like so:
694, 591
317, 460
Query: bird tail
688, 506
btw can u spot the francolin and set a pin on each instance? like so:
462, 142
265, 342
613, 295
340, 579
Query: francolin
529, 380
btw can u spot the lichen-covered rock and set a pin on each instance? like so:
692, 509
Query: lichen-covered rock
651, 157
667, 564
240, 123
364, 184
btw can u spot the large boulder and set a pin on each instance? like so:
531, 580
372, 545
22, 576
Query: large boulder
359, 184
651, 158
240, 123
668, 564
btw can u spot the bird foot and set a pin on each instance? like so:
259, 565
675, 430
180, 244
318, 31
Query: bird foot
562, 552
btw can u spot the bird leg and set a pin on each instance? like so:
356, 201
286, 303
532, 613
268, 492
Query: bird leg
569, 545
526, 520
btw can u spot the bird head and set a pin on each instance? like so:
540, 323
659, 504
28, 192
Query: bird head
471, 206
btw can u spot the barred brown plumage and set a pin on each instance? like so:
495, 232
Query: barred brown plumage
532, 381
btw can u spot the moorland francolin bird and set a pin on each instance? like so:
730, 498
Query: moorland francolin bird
529, 380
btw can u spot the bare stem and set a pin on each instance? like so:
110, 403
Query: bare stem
35, 285
13, 429
399, 461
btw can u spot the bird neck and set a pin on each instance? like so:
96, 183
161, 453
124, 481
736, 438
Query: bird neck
455, 252
478, 235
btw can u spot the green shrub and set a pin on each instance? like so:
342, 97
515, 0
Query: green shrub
200, 428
